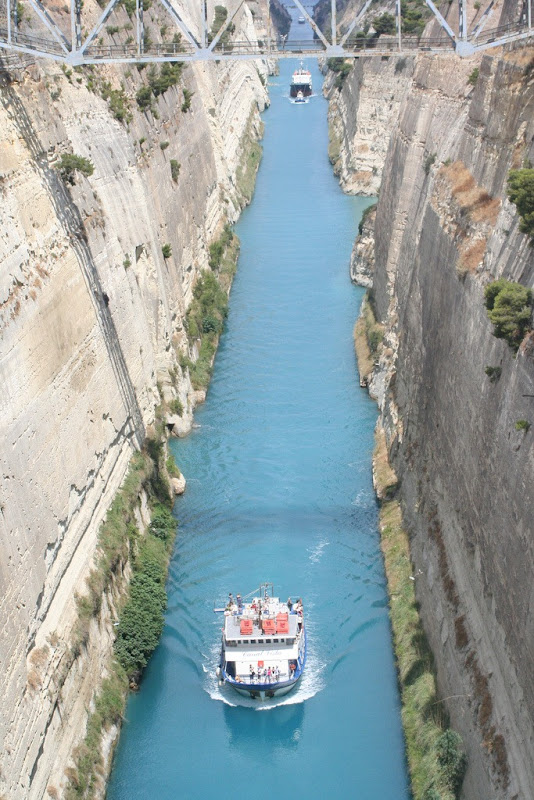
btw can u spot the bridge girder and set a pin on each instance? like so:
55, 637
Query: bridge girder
193, 42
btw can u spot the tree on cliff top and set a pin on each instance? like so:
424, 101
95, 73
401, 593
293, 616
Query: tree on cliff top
509, 307
521, 192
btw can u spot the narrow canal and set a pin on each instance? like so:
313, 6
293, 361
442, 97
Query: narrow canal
279, 489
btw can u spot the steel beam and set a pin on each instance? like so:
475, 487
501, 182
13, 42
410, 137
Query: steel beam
481, 24
47, 20
355, 22
98, 27
312, 22
441, 19
226, 25
181, 24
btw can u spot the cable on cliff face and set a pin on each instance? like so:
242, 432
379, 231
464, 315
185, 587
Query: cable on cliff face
70, 219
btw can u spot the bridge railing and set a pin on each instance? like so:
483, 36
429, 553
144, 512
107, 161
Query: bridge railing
31, 42
501, 32
195, 42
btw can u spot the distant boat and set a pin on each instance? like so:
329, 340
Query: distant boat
302, 20
263, 644
300, 98
301, 81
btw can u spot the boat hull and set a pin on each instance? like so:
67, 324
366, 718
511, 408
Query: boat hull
305, 88
263, 691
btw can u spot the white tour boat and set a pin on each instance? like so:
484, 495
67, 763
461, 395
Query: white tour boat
263, 644
301, 81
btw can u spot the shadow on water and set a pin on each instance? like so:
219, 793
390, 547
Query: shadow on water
262, 734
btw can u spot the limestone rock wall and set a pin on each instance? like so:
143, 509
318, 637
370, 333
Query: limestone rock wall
444, 229
92, 326
361, 116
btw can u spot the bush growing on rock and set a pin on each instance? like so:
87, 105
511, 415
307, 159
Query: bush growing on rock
144, 98
473, 77
69, 163
509, 307
521, 193
384, 24
175, 169
452, 759
341, 68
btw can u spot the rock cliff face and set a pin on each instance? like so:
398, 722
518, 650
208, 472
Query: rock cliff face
92, 319
360, 120
444, 229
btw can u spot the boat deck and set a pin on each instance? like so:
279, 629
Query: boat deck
264, 616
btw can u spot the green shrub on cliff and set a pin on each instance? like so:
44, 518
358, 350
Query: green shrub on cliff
384, 24
341, 67
366, 212
69, 163
509, 308
452, 759
218, 248
521, 193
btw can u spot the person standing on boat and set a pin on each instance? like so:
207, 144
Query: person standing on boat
239, 604
289, 604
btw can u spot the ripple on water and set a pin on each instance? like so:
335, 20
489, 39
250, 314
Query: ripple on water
278, 488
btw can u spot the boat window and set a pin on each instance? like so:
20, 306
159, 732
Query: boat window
276, 641
253, 641
268, 641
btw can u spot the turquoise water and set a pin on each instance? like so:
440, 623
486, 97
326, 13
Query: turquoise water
279, 489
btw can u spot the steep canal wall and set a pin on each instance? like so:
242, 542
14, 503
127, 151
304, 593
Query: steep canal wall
98, 268
444, 229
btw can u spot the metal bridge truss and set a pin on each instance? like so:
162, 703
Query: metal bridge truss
64, 36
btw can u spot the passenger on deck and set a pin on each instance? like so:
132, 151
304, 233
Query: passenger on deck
239, 604
289, 604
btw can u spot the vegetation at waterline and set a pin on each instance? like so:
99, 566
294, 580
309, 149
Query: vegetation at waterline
69, 163
436, 759
521, 193
366, 213
109, 707
141, 616
218, 248
141, 620
435, 755
368, 336
206, 314
204, 321
250, 162
509, 307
